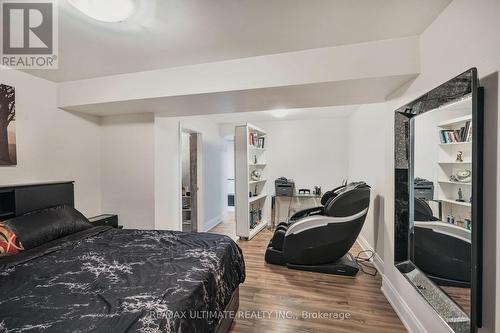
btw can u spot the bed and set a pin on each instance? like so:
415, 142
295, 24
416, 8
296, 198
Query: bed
103, 279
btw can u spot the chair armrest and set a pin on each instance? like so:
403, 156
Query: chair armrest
307, 212
311, 222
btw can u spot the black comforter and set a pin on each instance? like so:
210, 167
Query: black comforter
110, 280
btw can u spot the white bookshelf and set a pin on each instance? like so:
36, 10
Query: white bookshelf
447, 190
245, 157
453, 202
257, 198
455, 183
456, 163
257, 181
456, 144
455, 122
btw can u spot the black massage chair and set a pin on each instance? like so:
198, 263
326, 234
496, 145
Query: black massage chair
441, 250
318, 239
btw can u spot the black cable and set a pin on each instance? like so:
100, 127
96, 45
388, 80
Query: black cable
362, 262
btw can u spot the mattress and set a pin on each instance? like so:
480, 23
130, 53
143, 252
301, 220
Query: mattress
111, 280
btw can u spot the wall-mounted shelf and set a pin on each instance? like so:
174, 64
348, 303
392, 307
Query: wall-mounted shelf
252, 213
454, 183
456, 143
456, 163
458, 203
454, 122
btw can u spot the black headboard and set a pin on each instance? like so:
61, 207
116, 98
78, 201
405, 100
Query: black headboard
16, 200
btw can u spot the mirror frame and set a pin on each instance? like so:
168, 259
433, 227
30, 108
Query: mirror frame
461, 86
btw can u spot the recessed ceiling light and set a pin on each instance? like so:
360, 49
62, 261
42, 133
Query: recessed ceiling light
106, 10
280, 113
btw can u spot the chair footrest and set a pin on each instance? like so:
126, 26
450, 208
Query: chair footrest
274, 257
343, 266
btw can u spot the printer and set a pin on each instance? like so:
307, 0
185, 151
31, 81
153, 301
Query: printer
284, 187
424, 189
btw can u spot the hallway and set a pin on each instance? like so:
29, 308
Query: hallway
227, 226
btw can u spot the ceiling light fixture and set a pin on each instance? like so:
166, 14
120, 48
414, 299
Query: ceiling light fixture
280, 113
108, 11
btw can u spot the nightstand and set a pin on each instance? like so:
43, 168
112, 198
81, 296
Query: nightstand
106, 220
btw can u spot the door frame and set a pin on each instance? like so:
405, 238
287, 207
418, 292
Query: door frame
199, 175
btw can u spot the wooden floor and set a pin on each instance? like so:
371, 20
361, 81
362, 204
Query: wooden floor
274, 292
461, 296
227, 227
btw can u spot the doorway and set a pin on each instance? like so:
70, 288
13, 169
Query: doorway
228, 224
229, 172
191, 177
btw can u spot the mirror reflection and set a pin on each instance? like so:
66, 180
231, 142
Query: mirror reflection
442, 198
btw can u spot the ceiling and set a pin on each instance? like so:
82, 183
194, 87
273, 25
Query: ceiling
168, 33
336, 93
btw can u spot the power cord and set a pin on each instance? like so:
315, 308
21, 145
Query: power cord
364, 262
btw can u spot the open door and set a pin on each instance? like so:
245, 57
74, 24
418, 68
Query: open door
191, 181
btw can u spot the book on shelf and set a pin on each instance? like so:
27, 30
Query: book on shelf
468, 137
462, 134
255, 140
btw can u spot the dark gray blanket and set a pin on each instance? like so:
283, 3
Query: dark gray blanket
111, 280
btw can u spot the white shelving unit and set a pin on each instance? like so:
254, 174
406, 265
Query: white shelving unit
456, 163
257, 181
455, 183
447, 190
456, 144
248, 158
453, 202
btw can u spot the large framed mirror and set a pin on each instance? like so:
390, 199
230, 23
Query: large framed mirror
438, 198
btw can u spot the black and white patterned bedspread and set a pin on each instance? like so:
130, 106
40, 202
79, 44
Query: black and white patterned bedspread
110, 280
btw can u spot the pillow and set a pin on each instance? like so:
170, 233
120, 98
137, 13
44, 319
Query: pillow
8, 241
42, 226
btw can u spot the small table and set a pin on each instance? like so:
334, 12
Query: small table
110, 220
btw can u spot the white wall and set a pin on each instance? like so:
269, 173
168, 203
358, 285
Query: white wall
167, 171
311, 152
127, 174
465, 35
366, 146
52, 144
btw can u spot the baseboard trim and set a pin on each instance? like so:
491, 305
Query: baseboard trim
212, 223
376, 260
404, 312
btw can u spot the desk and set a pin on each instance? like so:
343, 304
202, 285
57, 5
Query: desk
282, 208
